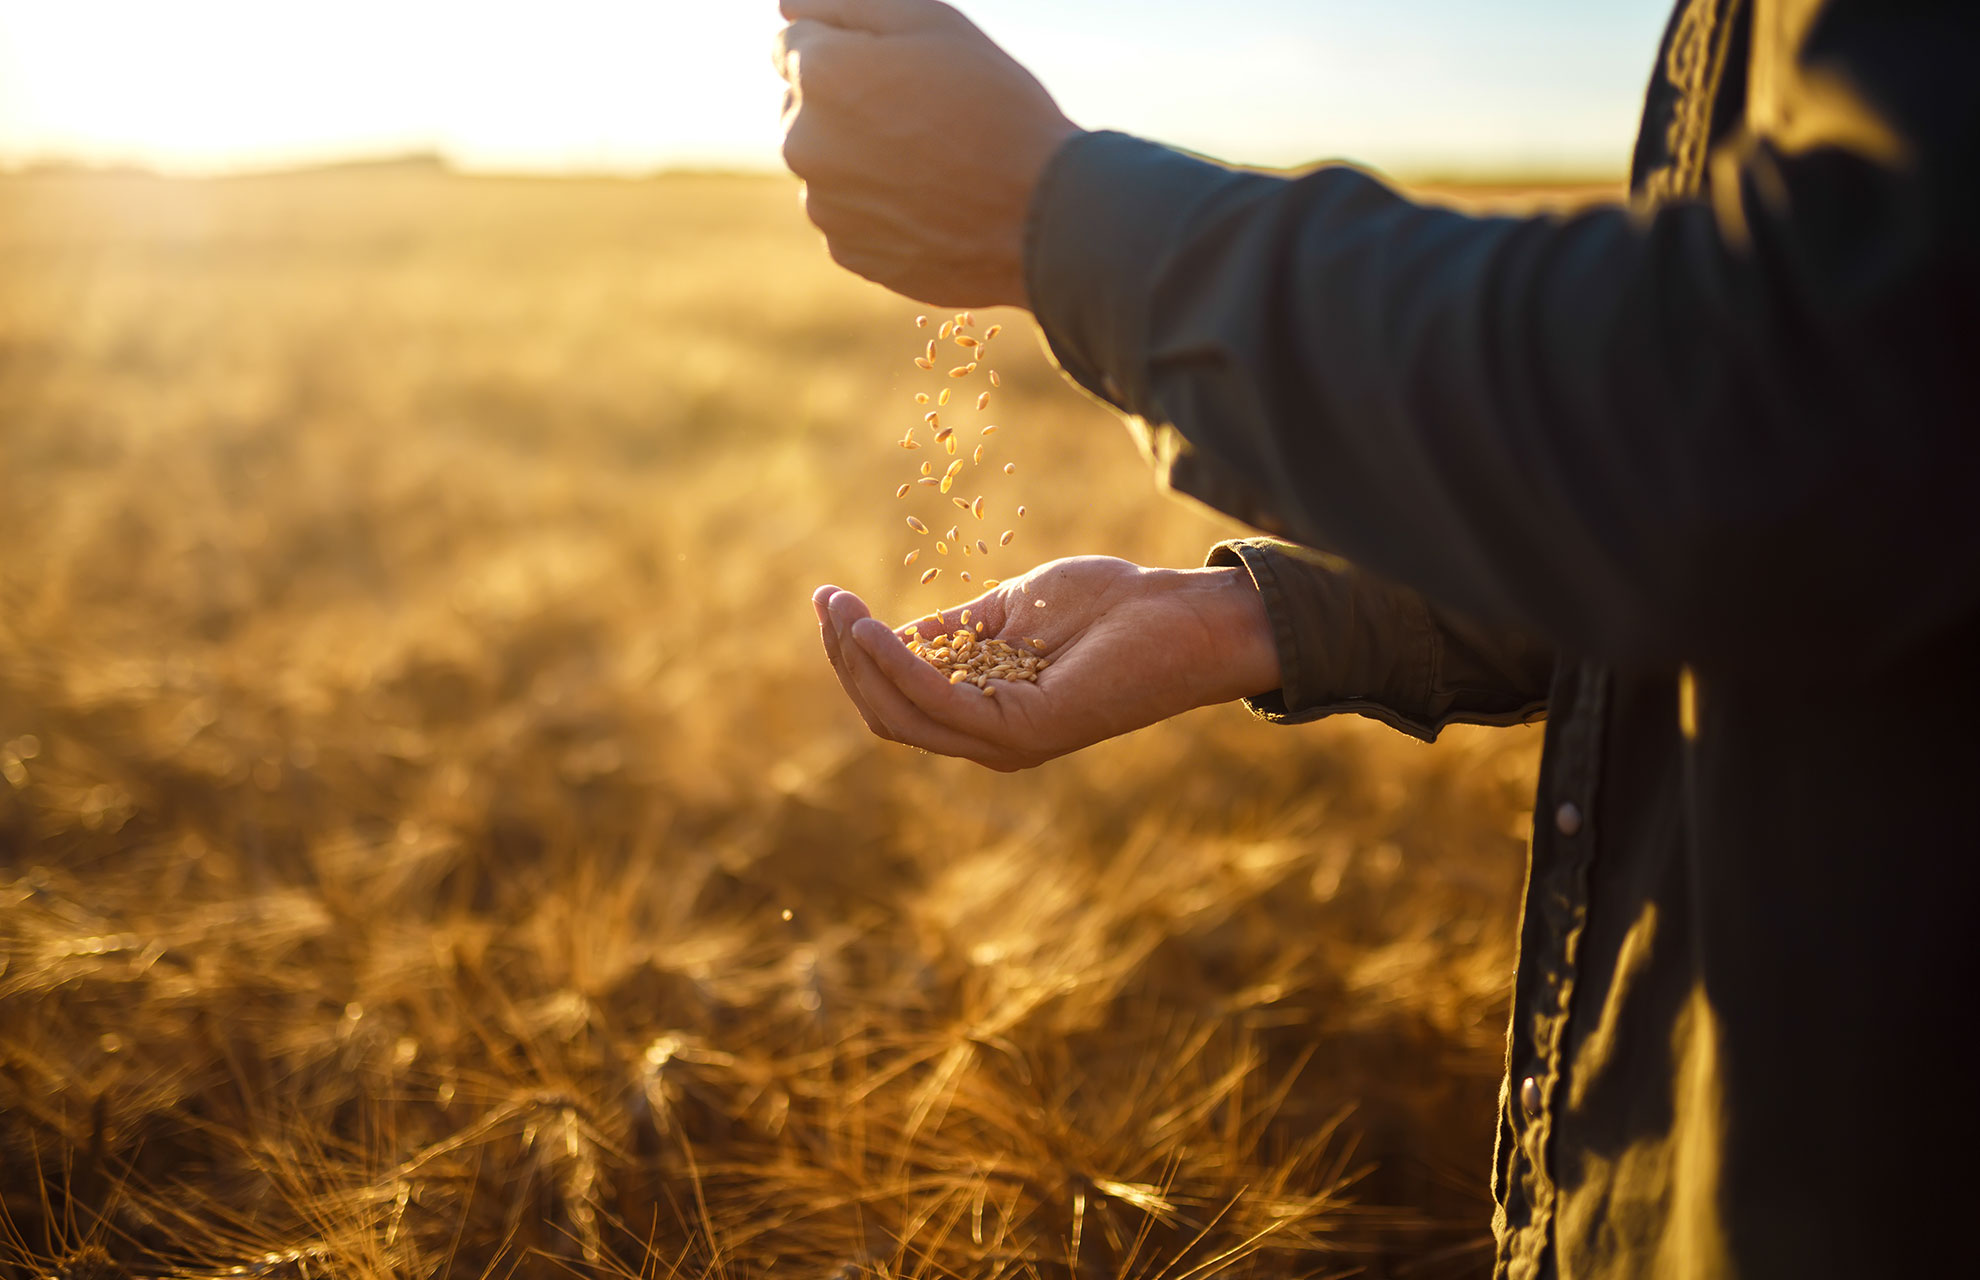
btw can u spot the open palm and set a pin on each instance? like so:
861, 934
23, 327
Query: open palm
1127, 645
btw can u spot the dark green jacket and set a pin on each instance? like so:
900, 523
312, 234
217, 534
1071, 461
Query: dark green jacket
1697, 479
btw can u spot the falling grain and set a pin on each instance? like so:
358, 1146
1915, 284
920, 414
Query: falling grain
921, 397
962, 371
930, 576
1004, 539
990, 430
976, 508
983, 402
943, 399
992, 332
1038, 604
982, 547
923, 362
995, 381
912, 556
941, 548
902, 492
948, 327
965, 575
1010, 468
928, 468
916, 525
977, 457
921, 322
1020, 512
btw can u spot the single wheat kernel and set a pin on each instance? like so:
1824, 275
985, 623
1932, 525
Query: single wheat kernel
1005, 539
923, 362
965, 547
990, 430
962, 371
967, 320
916, 525
1038, 604
947, 483
964, 340
993, 582
959, 675
928, 468
902, 492
982, 548
965, 617
927, 480
992, 332
930, 576
912, 556
977, 457
948, 327
976, 508
921, 397
1020, 512
942, 434
1010, 468
932, 418
941, 548
983, 402
943, 399
979, 628
921, 322
1038, 644
950, 445
961, 502
951, 534
955, 466
909, 442
929, 350
969, 368
965, 575
995, 381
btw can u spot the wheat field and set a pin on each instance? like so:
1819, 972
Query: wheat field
414, 734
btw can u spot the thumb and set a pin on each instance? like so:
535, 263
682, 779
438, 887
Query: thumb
881, 17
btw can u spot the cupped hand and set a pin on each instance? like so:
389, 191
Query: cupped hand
1127, 646
919, 142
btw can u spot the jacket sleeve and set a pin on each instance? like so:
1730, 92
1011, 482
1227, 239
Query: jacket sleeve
1735, 430
1349, 641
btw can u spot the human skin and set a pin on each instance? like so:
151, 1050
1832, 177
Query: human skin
1128, 646
920, 143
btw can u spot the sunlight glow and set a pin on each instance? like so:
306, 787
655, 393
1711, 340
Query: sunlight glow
633, 85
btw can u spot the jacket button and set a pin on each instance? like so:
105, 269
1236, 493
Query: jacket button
1567, 819
1529, 1096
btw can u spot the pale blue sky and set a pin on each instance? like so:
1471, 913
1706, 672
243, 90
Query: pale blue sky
628, 85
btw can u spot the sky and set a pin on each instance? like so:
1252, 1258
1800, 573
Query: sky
1456, 87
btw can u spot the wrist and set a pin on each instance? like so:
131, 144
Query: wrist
1242, 653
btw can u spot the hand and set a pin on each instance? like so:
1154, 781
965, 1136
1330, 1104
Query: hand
1127, 646
919, 142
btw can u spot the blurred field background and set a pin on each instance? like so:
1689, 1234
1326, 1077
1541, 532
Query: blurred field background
413, 730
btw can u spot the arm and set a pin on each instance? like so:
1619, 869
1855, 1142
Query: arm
1297, 637
1733, 431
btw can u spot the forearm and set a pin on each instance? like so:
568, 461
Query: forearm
1656, 439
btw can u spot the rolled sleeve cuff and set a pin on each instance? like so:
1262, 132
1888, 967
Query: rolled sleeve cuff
1329, 641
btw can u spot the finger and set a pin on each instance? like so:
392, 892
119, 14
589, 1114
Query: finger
814, 57
955, 708
835, 654
880, 16
912, 723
